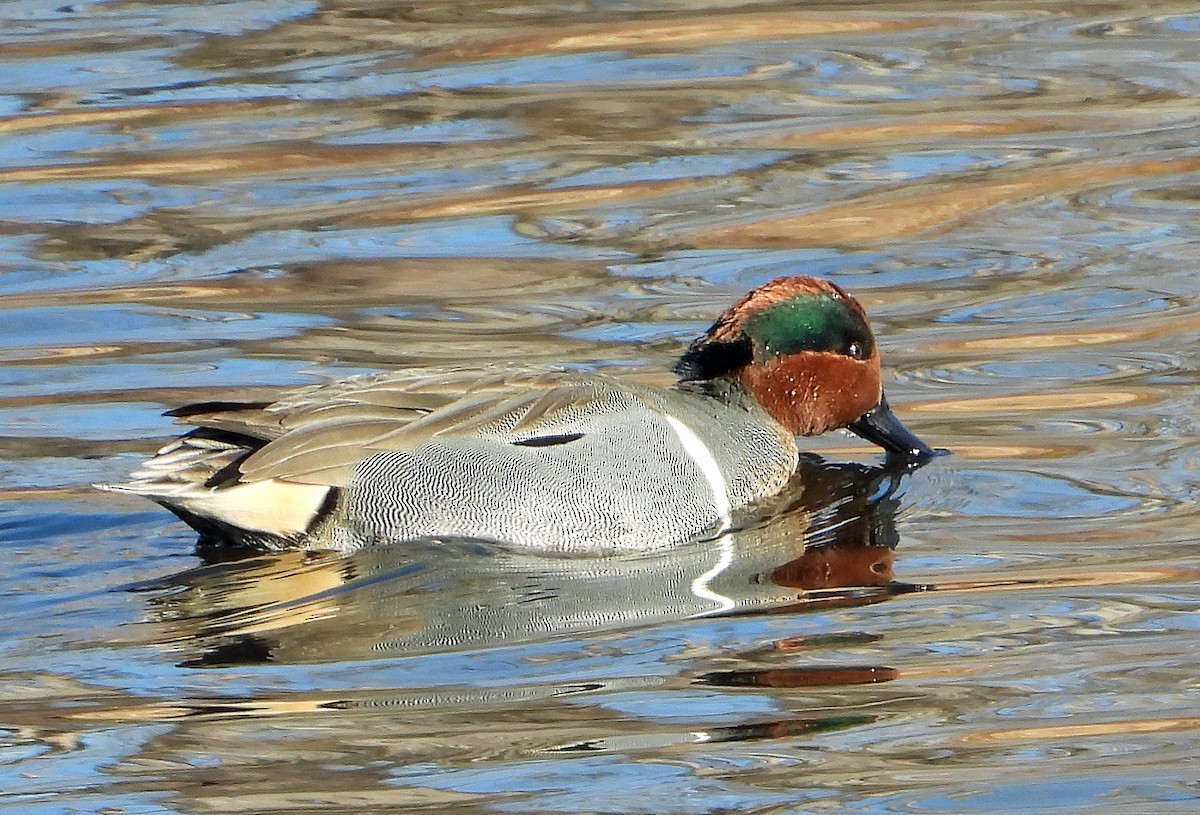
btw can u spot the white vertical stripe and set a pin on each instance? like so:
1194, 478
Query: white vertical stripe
703, 457
700, 454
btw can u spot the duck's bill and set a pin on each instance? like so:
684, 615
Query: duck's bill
880, 426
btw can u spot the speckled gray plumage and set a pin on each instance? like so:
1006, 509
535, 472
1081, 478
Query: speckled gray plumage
614, 478
548, 460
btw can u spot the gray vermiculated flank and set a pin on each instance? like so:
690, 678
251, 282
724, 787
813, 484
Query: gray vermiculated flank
624, 483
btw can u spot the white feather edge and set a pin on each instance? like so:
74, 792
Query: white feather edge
274, 507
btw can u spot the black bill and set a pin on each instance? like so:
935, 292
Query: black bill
880, 426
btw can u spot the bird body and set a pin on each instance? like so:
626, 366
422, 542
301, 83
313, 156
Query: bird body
543, 460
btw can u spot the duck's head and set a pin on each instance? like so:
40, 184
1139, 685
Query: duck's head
804, 349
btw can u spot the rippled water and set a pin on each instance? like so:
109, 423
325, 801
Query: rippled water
222, 200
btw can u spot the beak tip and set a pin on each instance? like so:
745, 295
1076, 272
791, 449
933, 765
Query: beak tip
880, 426
924, 454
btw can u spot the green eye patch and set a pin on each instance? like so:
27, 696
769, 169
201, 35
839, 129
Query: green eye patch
812, 322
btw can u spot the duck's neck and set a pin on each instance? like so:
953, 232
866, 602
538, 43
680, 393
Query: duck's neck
720, 387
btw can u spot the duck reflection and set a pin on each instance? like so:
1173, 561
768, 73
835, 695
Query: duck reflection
829, 540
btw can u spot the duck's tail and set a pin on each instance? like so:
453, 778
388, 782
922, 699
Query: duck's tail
197, 477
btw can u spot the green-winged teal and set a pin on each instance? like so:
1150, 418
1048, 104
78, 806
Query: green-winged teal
553, 461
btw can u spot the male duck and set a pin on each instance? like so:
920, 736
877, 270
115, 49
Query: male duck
544, 460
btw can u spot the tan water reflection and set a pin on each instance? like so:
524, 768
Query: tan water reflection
656, 33
922, 207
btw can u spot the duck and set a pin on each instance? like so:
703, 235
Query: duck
547, 460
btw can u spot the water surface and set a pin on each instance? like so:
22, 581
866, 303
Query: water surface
222, 201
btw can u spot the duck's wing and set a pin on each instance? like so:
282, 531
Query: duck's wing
317, 435
396, 397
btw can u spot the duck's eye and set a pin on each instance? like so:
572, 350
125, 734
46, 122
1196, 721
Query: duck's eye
855, 350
